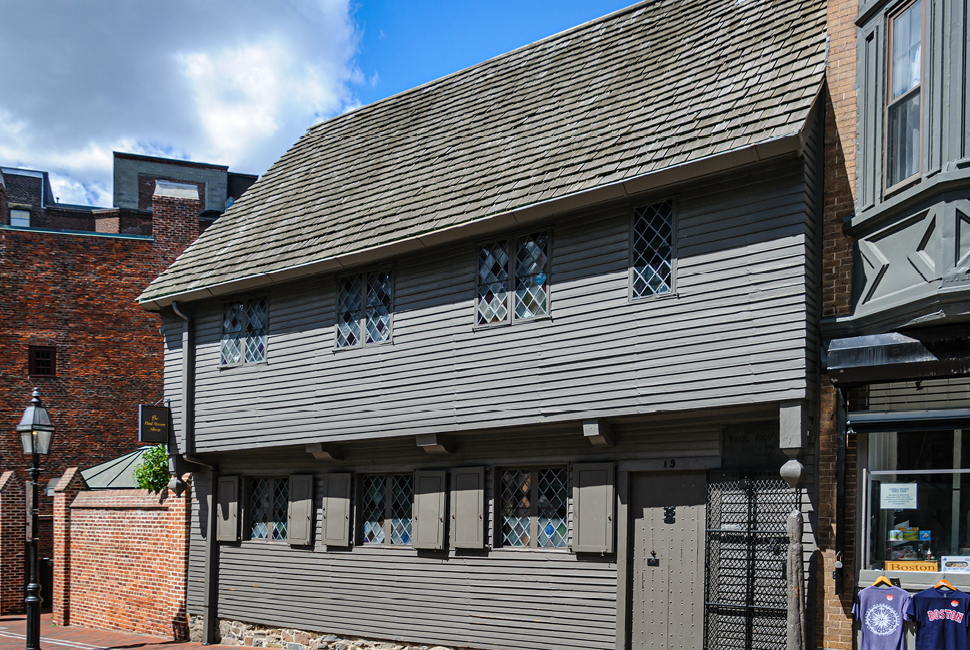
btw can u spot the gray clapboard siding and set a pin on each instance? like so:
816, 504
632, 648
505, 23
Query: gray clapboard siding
736, 332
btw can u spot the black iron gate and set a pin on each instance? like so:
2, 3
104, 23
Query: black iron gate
745, 605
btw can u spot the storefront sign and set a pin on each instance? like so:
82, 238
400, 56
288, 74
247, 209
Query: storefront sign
918, 565
153, 424
897, 496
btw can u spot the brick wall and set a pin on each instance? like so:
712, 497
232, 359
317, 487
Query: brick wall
833, 622
146, 189
12, 543
127, 553
77, 293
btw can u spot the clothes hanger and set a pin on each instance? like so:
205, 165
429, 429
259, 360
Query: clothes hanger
882, 580
944, 583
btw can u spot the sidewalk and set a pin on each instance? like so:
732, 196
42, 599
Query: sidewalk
54, 637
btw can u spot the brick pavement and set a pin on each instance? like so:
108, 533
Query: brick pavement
56, 637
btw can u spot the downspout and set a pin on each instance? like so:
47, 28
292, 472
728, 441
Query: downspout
187, 433
841, 419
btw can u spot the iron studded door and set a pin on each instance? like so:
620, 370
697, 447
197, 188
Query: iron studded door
667, 510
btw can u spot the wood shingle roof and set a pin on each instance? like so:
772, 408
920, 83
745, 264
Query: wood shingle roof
658, 84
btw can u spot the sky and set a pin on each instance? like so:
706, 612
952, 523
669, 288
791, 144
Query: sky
231, 82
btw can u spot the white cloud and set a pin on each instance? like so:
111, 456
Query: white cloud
234, 83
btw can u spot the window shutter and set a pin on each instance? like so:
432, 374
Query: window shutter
468, 507
227, 509
299, 529
336, 510
428, 527
593, 505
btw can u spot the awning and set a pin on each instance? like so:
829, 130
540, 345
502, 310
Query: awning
942, 352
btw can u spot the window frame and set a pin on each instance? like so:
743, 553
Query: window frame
32, 361
10, 217
631, 235
889, 102
242, 357
388, 510
362, 320
249, 510
499, 491
514, 237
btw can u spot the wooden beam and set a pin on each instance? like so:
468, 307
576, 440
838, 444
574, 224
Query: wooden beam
599, 433
321, 452
435, 444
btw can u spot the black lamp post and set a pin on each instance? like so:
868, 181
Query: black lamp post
35, 431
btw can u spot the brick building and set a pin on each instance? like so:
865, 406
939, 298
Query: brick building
70, 276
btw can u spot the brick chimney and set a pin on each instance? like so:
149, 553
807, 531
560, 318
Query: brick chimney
175, 218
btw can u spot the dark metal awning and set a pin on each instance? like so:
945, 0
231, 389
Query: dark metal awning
928, 420
943, 352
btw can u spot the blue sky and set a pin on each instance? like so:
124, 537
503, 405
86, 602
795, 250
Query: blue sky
233, 82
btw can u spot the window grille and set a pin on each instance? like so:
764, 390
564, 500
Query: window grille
528, 269
364, 305
903, 109
387, 509
244, 332
652, 266
42, 361
269, 498
534, 508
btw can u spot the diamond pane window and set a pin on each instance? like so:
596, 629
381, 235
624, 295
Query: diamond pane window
364, 305
243, 332
493, 283
903, 111
387, 509
531, 277
268, 502
534, 507
652, 250
528, 271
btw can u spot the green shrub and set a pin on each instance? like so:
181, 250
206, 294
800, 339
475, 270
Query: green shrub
152, 473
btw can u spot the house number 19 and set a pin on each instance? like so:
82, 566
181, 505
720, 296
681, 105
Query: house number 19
670, 463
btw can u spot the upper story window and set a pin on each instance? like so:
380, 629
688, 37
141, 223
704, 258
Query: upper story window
42, 361
364, 305
528, 271
651, 268
534, 507
903, 102
244, 331
387, 508
269, 500
20, 218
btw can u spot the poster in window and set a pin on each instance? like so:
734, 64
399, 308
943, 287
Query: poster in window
897, 496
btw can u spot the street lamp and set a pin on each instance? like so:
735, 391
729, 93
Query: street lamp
35, 431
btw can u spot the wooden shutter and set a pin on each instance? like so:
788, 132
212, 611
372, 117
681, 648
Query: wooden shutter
336, 510
428, 526
227, 509
468, 507
593, 506
299, 528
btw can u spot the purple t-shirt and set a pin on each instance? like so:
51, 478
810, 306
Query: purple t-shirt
881, 612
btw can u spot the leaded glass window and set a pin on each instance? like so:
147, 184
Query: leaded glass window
652, 267
903, 110
528, 272
534, 507
387, 509
268, 504
364, 305
243, 332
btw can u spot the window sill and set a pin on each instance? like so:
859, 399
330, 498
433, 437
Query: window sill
901, 186
366, 346
251, 364
670, 295
518, 321
42, 376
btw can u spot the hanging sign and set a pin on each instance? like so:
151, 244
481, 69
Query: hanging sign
897, 496
153, 424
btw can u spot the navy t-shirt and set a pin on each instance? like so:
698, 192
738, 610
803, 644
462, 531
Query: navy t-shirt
941, 619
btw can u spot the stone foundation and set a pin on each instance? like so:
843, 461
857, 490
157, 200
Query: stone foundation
258, 636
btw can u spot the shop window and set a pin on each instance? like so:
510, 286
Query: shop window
364, 305
387, 504
918, 498
268, 504
534, 508
652, 251
42, 361
527, 270
903, 101
244, 332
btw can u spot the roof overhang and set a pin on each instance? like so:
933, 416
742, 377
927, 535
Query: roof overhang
899, 357
752, 154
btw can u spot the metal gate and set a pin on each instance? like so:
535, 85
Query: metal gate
745, 605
